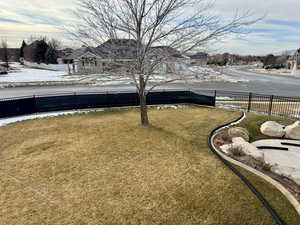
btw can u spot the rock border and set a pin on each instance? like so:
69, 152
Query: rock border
276, 184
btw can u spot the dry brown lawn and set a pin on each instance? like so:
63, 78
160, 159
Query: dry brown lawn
104, 168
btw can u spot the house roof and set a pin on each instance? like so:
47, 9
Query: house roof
122, 49
118, 49
199, 55
166, 51
76, 54
111, 49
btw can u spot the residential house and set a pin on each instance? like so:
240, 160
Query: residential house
12, 53
293, 62
62, 54
199, 59
88, 60
169, 59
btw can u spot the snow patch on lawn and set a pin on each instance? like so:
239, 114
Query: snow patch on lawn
114, 82
57, 67
228, 106
223, 98
19, 74
192, 74
10, 120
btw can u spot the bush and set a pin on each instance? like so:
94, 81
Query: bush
236, 151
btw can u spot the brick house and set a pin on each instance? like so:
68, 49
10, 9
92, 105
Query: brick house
13, 54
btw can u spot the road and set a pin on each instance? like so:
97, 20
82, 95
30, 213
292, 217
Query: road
257, 83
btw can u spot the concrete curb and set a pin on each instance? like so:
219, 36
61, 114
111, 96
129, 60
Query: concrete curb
275, 183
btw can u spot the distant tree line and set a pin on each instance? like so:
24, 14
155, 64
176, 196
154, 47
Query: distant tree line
4, 53
231, 59
40, 50
274, 62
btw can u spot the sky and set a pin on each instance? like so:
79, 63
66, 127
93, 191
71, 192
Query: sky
278, 31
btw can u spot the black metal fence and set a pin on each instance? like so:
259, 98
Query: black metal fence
69, 101
266, 104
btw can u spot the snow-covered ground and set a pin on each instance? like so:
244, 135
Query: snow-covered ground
192, 74
112, 82
57, 67
185, 73
20, 74
10, 120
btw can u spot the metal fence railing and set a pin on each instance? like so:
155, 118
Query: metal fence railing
266, 104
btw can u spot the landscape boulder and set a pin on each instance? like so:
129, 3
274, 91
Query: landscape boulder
239, 132
293, 131
272, 129
243, 146
287, 171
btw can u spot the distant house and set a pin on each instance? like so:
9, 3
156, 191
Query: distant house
292, 62
85, 60
62, 54
172, 59
88, 60
13, 54
199, 59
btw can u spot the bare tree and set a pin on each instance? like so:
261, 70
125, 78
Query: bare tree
4, 53
155, 26
34, 38
55, 44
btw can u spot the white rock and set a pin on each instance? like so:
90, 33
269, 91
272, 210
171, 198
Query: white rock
272, 129
293, 131
245, 146
290, 172
226, 148
239, 132
238, 140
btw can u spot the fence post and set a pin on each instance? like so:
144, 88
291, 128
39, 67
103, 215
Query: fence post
215, 98
271, 104
249, 101
76, 101
35, 104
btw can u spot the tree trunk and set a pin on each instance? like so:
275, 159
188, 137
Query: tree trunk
6, 60
144, 111
143, 103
